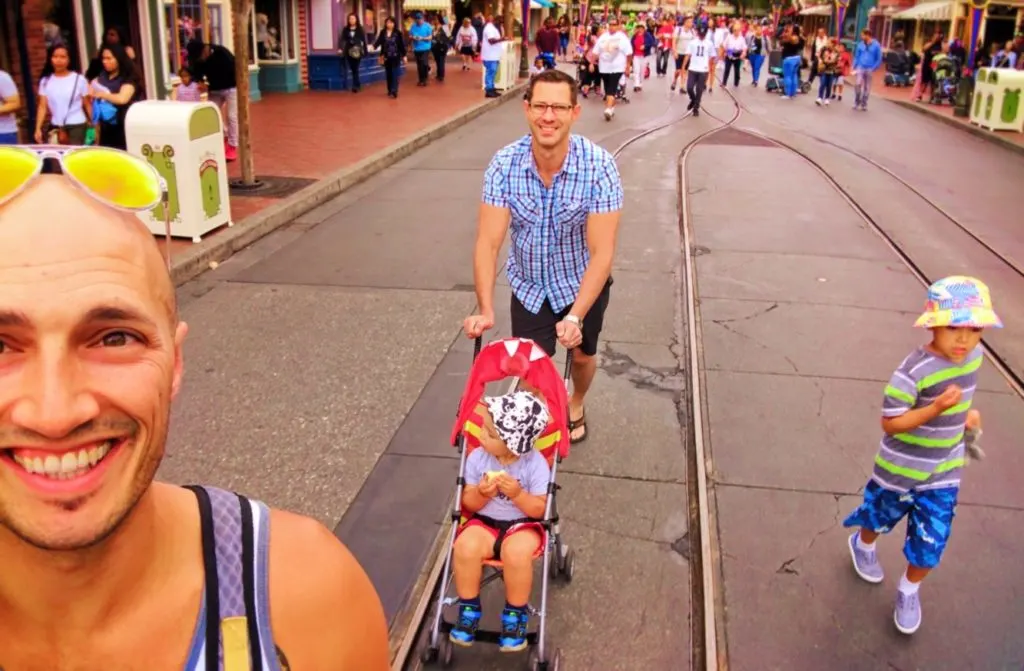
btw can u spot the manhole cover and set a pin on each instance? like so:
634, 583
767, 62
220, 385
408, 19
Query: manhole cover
273, 187
734, 136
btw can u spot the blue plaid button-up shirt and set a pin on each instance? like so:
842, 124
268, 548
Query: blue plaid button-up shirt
548, 225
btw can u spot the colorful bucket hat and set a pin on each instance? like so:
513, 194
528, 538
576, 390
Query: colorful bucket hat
959, 301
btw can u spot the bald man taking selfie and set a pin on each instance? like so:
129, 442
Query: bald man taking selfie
100, 566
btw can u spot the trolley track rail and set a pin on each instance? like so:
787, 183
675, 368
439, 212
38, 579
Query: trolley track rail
1000, 363
967, 230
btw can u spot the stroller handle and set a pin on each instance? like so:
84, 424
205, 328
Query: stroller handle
478, 343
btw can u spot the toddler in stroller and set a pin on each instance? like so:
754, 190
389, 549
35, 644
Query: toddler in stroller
946, 79
505, 514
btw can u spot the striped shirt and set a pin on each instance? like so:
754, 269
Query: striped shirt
548, 226
931, 455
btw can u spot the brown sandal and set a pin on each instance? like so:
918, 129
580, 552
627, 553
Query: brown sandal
580, 423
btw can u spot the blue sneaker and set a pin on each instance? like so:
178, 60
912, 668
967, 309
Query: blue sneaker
464, 631
513, 630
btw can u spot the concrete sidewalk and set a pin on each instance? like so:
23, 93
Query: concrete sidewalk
805, 313
1010, 140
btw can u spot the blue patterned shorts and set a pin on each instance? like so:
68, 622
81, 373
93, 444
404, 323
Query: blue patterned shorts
929, 514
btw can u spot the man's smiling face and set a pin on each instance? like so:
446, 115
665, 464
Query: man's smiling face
90, 358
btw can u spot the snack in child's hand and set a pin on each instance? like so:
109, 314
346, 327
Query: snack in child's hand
491, 475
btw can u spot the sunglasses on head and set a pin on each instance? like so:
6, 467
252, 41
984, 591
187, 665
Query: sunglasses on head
111, 176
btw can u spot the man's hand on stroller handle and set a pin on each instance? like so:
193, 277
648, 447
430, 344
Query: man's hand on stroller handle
475, 325
569, 333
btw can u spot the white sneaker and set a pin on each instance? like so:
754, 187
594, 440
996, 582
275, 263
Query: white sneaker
818, 102
826, 102
608, 114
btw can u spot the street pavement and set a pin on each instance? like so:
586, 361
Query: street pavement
324, 365
805, 313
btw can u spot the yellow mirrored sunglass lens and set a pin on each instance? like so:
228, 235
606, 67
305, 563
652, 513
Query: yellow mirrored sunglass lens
17, 166
115, 177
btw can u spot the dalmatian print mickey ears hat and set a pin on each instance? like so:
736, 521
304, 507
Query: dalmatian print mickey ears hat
519, 418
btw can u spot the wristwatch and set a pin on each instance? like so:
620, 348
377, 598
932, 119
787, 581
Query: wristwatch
574, 320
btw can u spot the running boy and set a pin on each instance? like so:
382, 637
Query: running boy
505, 493
925, 411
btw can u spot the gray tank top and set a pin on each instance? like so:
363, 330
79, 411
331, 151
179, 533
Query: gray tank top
233, 629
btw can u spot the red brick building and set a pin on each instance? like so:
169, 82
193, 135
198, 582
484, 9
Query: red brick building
24, 26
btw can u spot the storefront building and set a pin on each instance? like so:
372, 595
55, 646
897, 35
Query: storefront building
323, 20
998, 25
158, 32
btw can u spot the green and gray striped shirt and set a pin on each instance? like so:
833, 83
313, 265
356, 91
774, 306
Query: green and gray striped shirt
931, 455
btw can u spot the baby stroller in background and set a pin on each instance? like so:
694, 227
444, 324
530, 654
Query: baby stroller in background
946, 78
584, 77
774, 83
499, 360
899, 68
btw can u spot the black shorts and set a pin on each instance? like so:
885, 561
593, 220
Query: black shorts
466, 51
501, 529
540, 327
611, 82
679, 61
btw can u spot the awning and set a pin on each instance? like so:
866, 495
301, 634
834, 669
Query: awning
634, 7
817, 10
541, 4
926, 11
427, 5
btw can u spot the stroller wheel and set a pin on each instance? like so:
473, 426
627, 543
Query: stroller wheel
428, 656
447, 650
568, 565
555, 563
553, 662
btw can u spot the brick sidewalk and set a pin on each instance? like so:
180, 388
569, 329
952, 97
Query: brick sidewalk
311, 134
903, 94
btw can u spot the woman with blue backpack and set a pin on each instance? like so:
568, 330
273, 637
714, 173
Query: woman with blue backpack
113, 92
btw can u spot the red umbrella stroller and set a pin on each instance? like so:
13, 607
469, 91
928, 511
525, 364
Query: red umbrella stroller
523, 359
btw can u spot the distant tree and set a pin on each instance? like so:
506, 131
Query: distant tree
241, 14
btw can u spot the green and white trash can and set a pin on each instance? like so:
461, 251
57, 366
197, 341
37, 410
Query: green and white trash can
184, 141
997, 99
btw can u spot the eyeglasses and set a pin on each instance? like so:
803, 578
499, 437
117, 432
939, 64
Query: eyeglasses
560, 109
110, 176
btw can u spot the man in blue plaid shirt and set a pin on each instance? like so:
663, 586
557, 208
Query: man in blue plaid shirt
560, 196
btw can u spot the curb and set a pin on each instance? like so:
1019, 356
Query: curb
969, 127
226, 242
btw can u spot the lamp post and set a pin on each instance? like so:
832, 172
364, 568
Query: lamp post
841, 6
524, 55
965, 88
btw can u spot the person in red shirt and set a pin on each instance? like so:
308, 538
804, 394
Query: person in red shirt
547, 41
643, 48
845, 62
665, 43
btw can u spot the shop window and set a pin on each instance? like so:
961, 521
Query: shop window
274, 35
184, 21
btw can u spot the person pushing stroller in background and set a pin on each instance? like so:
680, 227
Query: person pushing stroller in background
504, 497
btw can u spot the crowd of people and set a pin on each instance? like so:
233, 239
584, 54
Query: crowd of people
90, 108
707, 52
